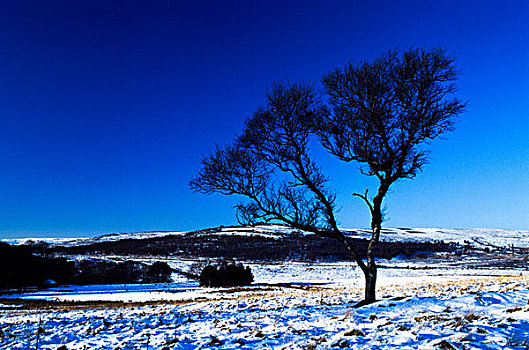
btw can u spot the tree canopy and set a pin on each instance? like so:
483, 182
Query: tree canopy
270, 163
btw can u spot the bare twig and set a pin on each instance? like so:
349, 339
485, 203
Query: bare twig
366, 199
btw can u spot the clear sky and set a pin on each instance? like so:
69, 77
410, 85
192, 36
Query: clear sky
108, 106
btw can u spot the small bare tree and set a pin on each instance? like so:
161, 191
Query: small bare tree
384, 112
270, 165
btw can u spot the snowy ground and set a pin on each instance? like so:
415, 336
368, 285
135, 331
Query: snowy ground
441, 302
329, 274
419, 309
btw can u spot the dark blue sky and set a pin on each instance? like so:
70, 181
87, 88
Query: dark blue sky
107, 107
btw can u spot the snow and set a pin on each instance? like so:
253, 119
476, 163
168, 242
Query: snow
487, 313
479, 238
434, 303
265, 231
74, 241
484, 309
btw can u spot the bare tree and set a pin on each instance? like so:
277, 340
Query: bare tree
383, 113
270, 165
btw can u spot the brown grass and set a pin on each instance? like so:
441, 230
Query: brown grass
325, 293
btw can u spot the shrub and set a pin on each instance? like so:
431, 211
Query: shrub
110, 272
21, 268
227, 274
159, 272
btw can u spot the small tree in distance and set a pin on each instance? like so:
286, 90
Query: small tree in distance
384, 111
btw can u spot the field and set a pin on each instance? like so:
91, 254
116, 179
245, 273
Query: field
473, 300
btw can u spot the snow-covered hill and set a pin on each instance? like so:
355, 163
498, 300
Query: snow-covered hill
478, 238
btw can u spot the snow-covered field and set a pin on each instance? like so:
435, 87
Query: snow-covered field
419, 309
439, 302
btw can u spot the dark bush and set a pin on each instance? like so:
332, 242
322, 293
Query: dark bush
159, 272
110, 272
21, 268
227, 274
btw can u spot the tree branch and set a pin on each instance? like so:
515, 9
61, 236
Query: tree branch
366, 199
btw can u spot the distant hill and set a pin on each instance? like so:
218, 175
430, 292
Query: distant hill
263, 242
280, 242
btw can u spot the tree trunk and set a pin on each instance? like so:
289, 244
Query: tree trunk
371, 284
370, 272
